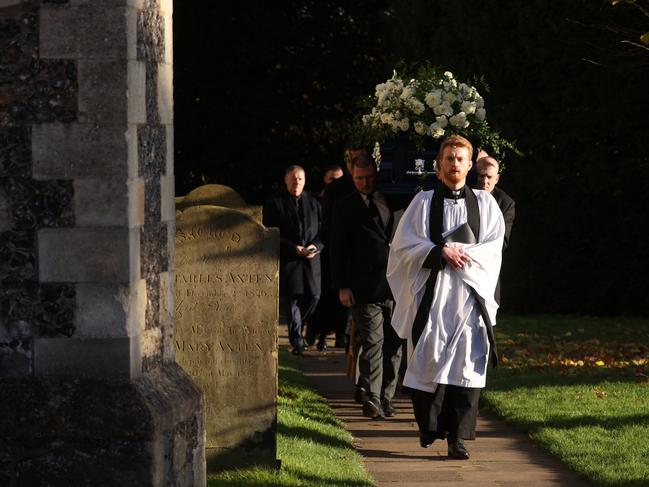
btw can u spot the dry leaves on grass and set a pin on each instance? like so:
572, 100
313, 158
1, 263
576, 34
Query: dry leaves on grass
587, 354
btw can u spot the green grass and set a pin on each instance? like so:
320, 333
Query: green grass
579, 386
312, 444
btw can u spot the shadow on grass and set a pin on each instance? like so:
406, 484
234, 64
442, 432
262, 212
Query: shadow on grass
314, 436
309, 479
505, 379
563, 423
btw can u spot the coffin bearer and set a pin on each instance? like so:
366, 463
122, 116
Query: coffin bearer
488, 177
360, 235
297, 215
443, 267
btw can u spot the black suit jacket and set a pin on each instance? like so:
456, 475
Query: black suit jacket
359, 250
508, 207
334, 192
298, 275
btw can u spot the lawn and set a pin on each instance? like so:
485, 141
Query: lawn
312, 444
580, 387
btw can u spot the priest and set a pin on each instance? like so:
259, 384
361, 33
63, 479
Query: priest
442, 268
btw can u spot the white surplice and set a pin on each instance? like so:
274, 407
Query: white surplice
453, 347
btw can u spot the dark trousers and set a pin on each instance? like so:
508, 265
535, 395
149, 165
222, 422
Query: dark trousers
380, 354
297, 308
449, 411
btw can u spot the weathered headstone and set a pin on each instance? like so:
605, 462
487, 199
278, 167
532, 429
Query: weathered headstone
218, 195
225, 334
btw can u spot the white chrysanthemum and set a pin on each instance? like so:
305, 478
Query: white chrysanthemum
416, 106
407, 92
433, 98
480, 114
441, 121
468, 107
420, 128
458, 120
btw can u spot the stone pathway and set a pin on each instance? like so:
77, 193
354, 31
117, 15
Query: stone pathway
501, 455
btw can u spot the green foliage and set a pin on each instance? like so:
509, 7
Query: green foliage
584, 401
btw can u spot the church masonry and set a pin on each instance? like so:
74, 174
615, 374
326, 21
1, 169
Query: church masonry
90, 391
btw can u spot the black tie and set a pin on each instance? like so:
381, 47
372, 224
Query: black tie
300, 217
374, 211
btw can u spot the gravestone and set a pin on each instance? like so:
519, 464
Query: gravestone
218, 195
225, 335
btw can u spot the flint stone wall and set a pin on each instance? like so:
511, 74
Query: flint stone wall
91, 394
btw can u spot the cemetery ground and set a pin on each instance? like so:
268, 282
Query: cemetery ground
578, 386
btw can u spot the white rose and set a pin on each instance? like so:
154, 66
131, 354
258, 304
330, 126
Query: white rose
458, 120
435, 131
420, 128
467, 107
449, 97
407, 92
443, 108
433, 98
448, 75
480, 114
441, 121
479, 102
386, 118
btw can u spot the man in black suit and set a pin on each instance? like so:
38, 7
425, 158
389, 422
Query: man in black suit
297, 215
487, 169
359, 238
334, 192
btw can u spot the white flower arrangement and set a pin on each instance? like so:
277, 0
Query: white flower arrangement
435, 106
431, 105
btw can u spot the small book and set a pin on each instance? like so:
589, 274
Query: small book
461, 234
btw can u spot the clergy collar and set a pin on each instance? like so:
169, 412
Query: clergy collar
454, 194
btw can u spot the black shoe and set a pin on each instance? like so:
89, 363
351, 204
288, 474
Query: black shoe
388, 408
297, 351
372, 409
309, 337
360, 396
322, 344
426, 439
457, 451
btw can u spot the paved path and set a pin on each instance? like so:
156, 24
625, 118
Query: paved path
501, 455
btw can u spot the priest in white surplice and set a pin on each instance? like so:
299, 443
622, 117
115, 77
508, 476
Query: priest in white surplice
443, 267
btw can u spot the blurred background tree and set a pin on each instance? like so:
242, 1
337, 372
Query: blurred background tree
259, 86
